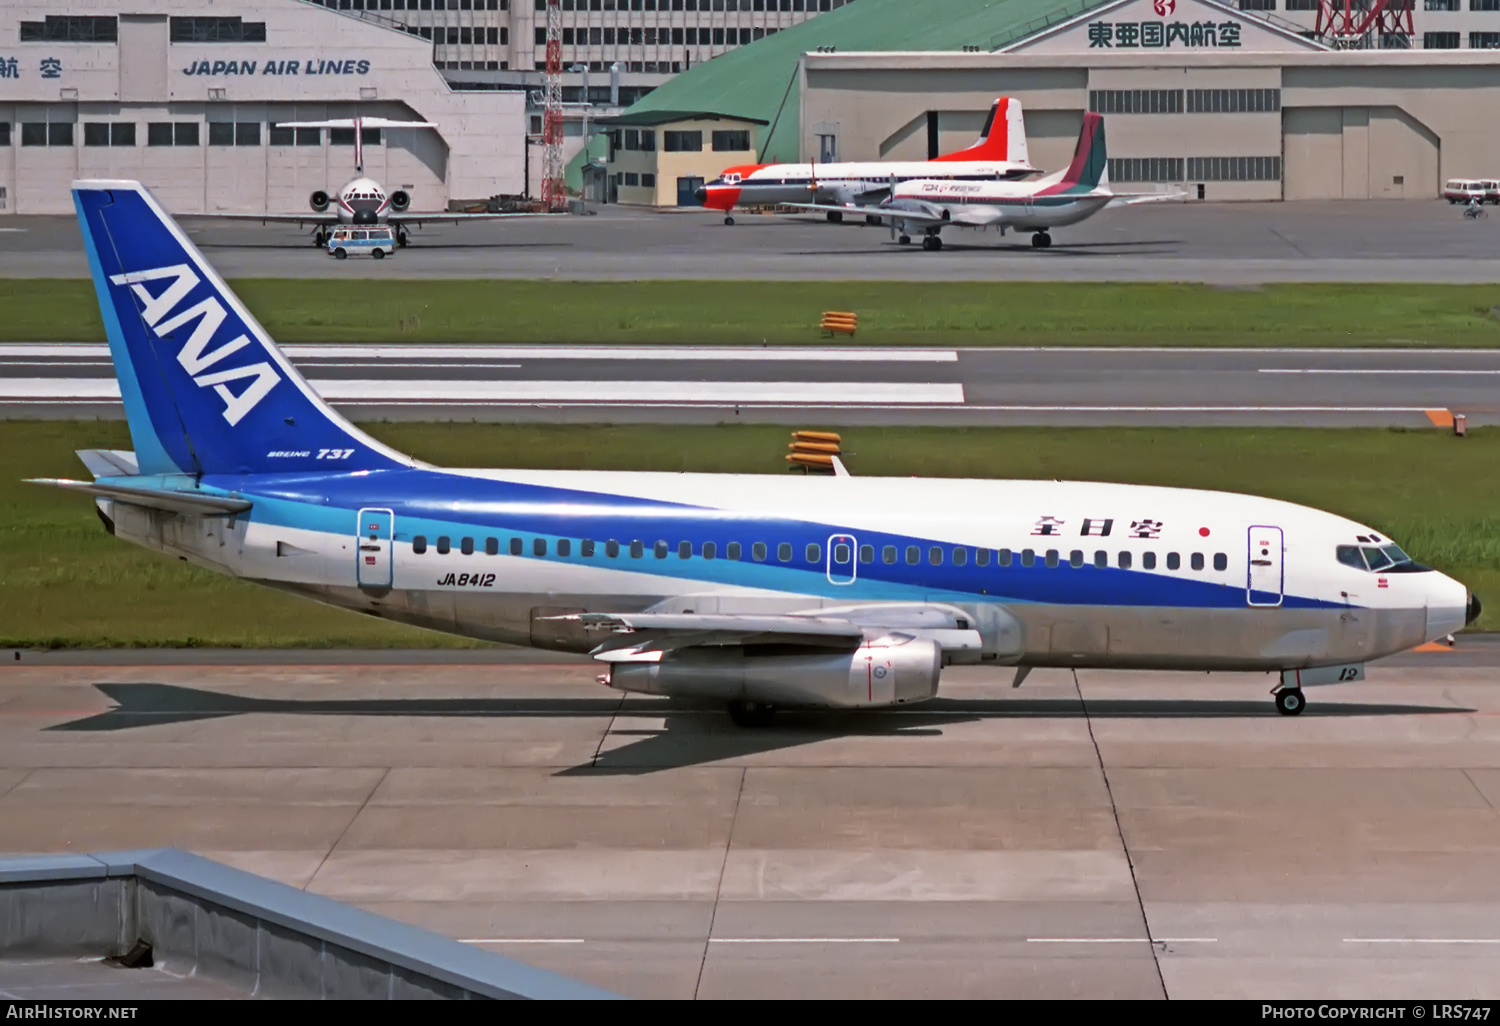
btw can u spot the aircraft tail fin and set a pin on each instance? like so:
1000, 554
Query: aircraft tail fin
1002, 138
1090, 167
206, 390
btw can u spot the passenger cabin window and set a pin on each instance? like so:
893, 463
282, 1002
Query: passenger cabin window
419, 544
1052, 558
1003, 557
981, 557
637, 549
443, 545
1173, 561
814, 553
466, 546
564, 547
1101, 559
935, 556
1075, 558
1125, 560
710, 550
586, 548
516, 547
660, 550
888, 554
758, 552
1197, 561
732, 551
1148, 561
685, 550
841, 552
960, 557
1028, 557
539, 546
1221, 561
867, 553
612, 549
784, 552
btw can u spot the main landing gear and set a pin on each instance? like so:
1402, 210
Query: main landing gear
751, 714
320, 238
932, 243
1289, 701
1041, 240
401, 239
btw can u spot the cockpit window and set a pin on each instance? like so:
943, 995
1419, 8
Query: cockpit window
1377, 558
1349, 556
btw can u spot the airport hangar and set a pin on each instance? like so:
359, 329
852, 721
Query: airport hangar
1224, 103
183, 95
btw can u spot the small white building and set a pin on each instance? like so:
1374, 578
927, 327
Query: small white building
185, 96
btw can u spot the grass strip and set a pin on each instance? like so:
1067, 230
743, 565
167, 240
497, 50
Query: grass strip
65, 582
787, 313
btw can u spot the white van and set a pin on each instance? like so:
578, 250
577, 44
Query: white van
1461, 190
374, 240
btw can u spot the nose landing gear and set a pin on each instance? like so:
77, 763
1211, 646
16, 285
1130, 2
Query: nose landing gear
751, 714
728, 220
1289, 701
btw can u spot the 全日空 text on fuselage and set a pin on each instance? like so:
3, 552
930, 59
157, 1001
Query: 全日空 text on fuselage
760, 590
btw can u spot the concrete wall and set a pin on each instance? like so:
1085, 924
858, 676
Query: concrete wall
263, 938
1353, 125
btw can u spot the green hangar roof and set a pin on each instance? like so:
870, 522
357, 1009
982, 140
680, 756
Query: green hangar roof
759, 81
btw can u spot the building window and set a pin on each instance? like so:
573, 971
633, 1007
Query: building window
731, 142
1302, 5
46, 133
1446, 40
104, 133
1484, 40
1233, 101
1136, 101
1257, 5
234, 133
682, 142
1439, 5
1145, 169
172, 133
1234, 169
632, 178
217, 30
71, 29
1480, 5
4, 133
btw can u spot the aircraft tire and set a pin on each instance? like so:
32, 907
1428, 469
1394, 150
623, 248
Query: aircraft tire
751, 714
834, 217
904, 240
932, 243
341, 254
729, 220
1290, 702
401, 239
872, 219
1041, 240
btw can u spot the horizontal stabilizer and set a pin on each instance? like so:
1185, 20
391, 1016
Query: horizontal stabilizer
190, 503
110, 462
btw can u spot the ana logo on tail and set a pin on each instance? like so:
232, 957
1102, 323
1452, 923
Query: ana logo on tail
194, 355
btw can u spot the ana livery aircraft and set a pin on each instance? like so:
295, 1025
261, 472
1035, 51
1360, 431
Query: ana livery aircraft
997, 155
362, 200
1060, 199
760, 591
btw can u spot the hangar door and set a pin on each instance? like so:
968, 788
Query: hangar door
1357, 153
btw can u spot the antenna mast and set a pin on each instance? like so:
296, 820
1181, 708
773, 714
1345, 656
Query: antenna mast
554, 192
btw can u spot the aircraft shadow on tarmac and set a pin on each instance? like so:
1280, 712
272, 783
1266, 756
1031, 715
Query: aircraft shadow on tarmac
416, 247
1162, 247
691, 733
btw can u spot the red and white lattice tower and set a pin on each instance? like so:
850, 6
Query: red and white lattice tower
554, 190
1357, 24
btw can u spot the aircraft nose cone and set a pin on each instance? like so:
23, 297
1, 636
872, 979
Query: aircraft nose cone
700, 194
1472, 610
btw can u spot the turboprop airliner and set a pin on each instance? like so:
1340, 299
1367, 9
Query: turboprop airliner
1060, 199
760, 591
362, 200
998, 154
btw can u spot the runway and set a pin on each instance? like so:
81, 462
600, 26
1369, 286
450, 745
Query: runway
1220, 243
854, 386
1124, 835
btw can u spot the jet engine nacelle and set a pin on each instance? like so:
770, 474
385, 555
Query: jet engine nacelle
400, 200
890, 671
319, 201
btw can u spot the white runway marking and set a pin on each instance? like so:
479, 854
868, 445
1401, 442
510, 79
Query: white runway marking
1422, 940
522, 940
1373, 370
402, 353
804, 940
672, 393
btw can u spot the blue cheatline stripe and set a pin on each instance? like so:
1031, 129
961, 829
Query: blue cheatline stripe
150, 455
436, 504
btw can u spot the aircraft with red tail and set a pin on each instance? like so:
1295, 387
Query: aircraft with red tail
999, 154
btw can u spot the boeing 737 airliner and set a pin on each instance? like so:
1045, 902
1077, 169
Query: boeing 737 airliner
758, 591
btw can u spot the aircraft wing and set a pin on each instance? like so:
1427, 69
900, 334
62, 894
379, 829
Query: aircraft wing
634, 635
200, 504
297, 219
908, 216
1147, 197
421, 219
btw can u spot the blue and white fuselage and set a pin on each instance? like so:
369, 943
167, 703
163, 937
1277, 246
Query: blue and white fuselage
759, 590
